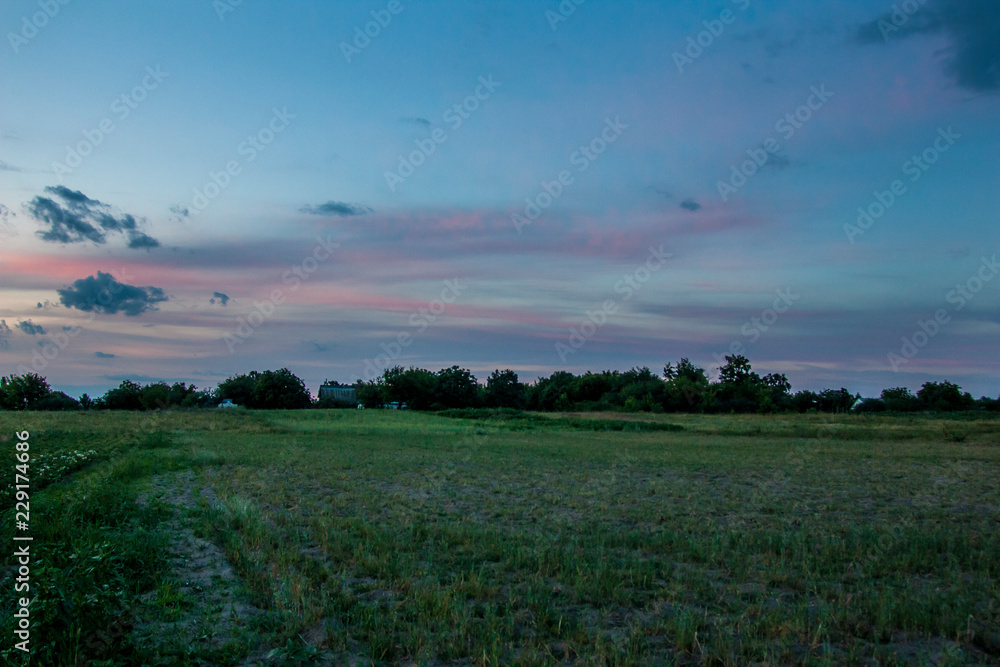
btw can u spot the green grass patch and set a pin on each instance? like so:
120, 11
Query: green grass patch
505, 537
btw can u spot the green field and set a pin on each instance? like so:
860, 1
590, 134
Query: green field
383, 537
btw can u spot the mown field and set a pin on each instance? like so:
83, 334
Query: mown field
383, 537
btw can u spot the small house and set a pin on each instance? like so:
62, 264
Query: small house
338, 394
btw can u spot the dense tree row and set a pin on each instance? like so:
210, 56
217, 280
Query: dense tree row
683, 387
32, 392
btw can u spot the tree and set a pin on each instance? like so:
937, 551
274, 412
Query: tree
416, 387
23, 392
943, 397
280, 390
899, 399
686, 387
739, 389
504, 391
457, 388
239, 389
126, 396
805, 400
155, 396
371, 394
775, 390
548, 393
737, 371
836, 400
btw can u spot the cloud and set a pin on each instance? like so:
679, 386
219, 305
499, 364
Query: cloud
317, 346
8, 167
141, 240
973, 30
179, 213
417, 120
223, 298
104, 355
5, 333
338, 208
73, 217
6, 228
778, 161
103, 294
31, 328
690, 205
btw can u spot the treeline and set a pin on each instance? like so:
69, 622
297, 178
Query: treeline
683, 387
32, 392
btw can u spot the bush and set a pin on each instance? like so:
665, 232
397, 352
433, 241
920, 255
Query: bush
57, 401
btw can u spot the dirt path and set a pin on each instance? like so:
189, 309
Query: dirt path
201, 608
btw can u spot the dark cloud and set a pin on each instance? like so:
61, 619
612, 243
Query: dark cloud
6, 228
5, 333
317, 346
778, 161
222, 298
73, 217
104, 355
103, 294
332, 208
31, 328
417, 120
973, 29
690, 205
774, 45
179, 213
141, 240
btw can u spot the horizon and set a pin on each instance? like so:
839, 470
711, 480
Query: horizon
191, 192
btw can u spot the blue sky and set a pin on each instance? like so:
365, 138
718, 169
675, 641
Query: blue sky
341, 253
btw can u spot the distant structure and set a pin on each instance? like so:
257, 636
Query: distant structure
339, 394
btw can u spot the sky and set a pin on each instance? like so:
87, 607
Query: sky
196, 189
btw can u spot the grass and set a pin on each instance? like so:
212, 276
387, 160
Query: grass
484, 538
